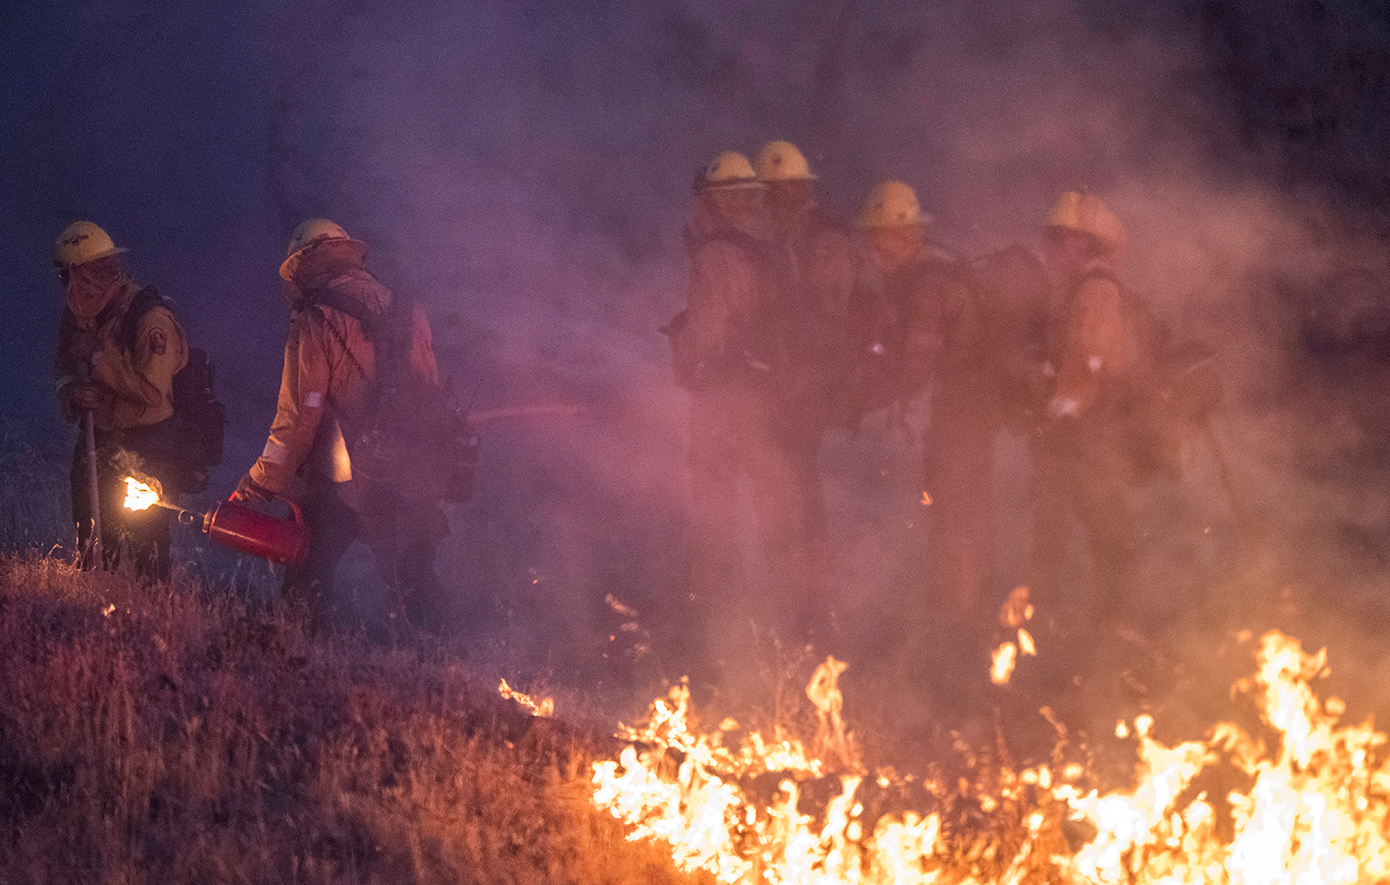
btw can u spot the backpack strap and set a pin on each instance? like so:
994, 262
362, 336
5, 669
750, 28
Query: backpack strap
388, 332
146, 300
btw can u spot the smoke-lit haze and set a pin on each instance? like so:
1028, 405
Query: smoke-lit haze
524, 168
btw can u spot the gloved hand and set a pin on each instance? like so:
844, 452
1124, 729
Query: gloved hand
250, 490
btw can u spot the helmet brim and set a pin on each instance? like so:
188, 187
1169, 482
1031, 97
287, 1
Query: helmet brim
291, 263
923, 221
742, 184
114, 250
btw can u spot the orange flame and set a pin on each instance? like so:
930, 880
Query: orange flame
1013, 614
544, 707
138, 495
1313, 806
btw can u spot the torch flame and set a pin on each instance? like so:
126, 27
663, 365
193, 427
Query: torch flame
138, 495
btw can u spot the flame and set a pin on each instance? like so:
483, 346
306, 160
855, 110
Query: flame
544, 707
138, 495
1013, 614
1004, 657
1311, 802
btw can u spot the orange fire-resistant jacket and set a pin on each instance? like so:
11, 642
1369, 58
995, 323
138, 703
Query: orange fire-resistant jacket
326, 382
140, 383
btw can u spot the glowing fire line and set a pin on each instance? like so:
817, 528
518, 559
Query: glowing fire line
1314, 805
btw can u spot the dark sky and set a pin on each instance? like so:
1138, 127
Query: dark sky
523, 168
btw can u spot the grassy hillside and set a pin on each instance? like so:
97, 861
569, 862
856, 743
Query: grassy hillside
168, 735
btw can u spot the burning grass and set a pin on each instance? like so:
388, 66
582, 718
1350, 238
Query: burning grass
164, 734
169, 734
1298, 799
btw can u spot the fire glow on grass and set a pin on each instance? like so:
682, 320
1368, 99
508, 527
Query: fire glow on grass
1311, 805
138, 495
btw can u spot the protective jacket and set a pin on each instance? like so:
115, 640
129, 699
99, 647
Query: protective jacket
326, 384
136, 372
731, 333
823, 269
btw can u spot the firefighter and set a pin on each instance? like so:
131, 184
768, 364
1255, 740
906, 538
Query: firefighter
933, 297
1081, 457
730, 355
824, 267
326, 390
117, 356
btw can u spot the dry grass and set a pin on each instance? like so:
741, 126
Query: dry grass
163, 734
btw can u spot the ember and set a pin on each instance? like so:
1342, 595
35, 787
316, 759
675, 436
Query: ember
1315, 808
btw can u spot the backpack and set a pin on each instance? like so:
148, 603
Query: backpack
756, 349
415, 443
878, 366
199, 419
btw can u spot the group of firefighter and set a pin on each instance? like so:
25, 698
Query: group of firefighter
798, 322
125, 369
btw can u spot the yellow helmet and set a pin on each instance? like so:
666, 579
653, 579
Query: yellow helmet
311, 233
781, 161
892, 204
1084, 212
728, 170
80, 242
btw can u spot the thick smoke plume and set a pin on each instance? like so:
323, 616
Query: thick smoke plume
523, 169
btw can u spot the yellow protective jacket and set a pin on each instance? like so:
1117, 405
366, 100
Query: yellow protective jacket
326, 382
138, 380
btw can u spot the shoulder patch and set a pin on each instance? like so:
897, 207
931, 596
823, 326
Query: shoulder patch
159, 343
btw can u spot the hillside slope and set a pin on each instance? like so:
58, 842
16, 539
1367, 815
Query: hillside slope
168, 735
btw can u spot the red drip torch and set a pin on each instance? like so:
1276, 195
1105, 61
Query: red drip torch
237, 526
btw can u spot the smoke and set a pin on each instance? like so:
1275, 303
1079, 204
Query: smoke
523, 170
